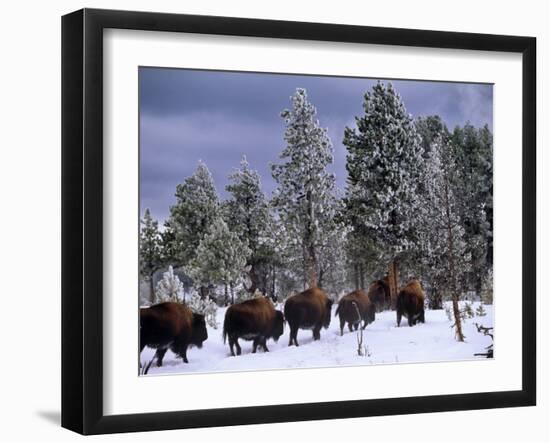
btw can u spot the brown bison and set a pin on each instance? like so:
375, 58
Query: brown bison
379, 294
308, 310
354, 308
171, 326
410, 303
254, 319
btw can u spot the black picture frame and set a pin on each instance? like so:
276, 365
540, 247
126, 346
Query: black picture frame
82, 218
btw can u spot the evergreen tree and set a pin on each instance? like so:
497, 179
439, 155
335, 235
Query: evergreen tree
247, 214
442, 234
304, 194
473, 157
205, 306
197, 206
384, 165
168, 246
150, 251
220, 259
429, 129
169, 288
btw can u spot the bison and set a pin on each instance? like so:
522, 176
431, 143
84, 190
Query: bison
354, 308
379, 294
309, 309
171, 326
255, 319
410, 303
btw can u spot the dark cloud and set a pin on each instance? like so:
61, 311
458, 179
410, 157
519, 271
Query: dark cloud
191, 115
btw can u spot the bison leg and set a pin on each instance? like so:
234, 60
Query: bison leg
317, 333
350, 327
422, 319
179, 347
292, 335
264, 345
411, 320
398, 318
342, 324
160, 355
255, 345
238, 346
231, 344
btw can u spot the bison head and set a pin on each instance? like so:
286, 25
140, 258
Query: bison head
278, 325
328, 310
199, 333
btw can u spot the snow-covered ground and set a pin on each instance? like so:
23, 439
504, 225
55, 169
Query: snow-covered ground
386, 343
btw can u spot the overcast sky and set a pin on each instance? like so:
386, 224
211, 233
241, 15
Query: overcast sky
213, 116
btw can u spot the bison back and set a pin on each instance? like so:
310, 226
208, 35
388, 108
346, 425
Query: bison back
308, 308
161, 324
410, 300
355, 301
249, 318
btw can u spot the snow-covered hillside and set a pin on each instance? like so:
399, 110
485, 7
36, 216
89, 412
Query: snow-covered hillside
432, 341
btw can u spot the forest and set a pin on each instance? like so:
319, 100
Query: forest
417, 204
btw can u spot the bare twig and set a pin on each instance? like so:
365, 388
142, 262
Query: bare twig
484, 330
361, 350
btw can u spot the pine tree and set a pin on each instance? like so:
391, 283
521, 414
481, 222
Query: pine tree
169, 288
205, 306
247, 214
150, 251
304, 195
473, 158
384, 165
441, 233
220, 259
197, 206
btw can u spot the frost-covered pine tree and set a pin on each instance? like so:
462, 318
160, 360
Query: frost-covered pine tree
442, 234
247, 215
197, 206
169, 288
305, 189
220, 259
384, 165
473, 152
150, 251
205, 306
332, 247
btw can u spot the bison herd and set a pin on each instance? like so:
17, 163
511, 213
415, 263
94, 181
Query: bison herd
174, 326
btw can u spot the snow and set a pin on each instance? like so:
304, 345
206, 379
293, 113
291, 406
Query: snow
386, 344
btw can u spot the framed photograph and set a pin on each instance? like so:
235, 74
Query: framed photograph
269, 221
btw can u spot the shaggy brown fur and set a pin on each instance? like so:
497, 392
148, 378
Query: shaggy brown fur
410, 303
171, 326
379, 294
354, 308
255, 319
309, 309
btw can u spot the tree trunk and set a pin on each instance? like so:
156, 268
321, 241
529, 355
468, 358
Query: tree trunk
393, 282
253, 276
450, 246
356, 275
232, 293
310, 261
152, 295
310, 251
